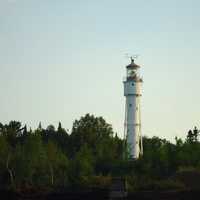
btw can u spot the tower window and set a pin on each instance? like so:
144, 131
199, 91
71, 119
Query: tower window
130, 105
132, 84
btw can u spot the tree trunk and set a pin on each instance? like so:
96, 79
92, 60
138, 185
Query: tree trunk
10, 171
52, 175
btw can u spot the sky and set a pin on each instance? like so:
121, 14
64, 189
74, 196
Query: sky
61, 59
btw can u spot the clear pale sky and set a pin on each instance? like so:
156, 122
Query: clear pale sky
61, 59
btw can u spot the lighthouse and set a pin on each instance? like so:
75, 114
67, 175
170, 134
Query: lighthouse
132, 124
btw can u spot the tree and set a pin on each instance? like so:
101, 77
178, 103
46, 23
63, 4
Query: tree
1, 128
52, 158
89, 130
34, 158
6, 159
9, 139
50, 128
82, 166
40, 126
12, 131
192, 135
60, 128
57, 164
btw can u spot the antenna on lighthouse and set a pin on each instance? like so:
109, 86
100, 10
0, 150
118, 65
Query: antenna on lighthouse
132, 56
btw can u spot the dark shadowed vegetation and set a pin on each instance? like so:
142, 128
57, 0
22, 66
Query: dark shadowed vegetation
51, 158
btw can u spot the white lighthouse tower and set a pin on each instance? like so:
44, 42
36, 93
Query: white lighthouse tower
132, 125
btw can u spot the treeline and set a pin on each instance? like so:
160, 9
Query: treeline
89, 157
54, 158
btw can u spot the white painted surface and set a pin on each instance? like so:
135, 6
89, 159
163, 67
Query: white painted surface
132, 92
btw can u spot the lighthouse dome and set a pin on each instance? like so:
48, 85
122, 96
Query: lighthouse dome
132, 65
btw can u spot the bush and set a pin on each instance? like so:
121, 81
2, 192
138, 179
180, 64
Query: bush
146, 183
189, 176
102, 182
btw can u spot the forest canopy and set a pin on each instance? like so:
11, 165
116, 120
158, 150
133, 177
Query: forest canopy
90, 156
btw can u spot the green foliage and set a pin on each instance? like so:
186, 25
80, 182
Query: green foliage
57, 165
192, 135
90, 156
5, 151
90, 130
82, 166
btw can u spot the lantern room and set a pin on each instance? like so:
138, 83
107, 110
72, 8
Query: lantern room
132, 70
